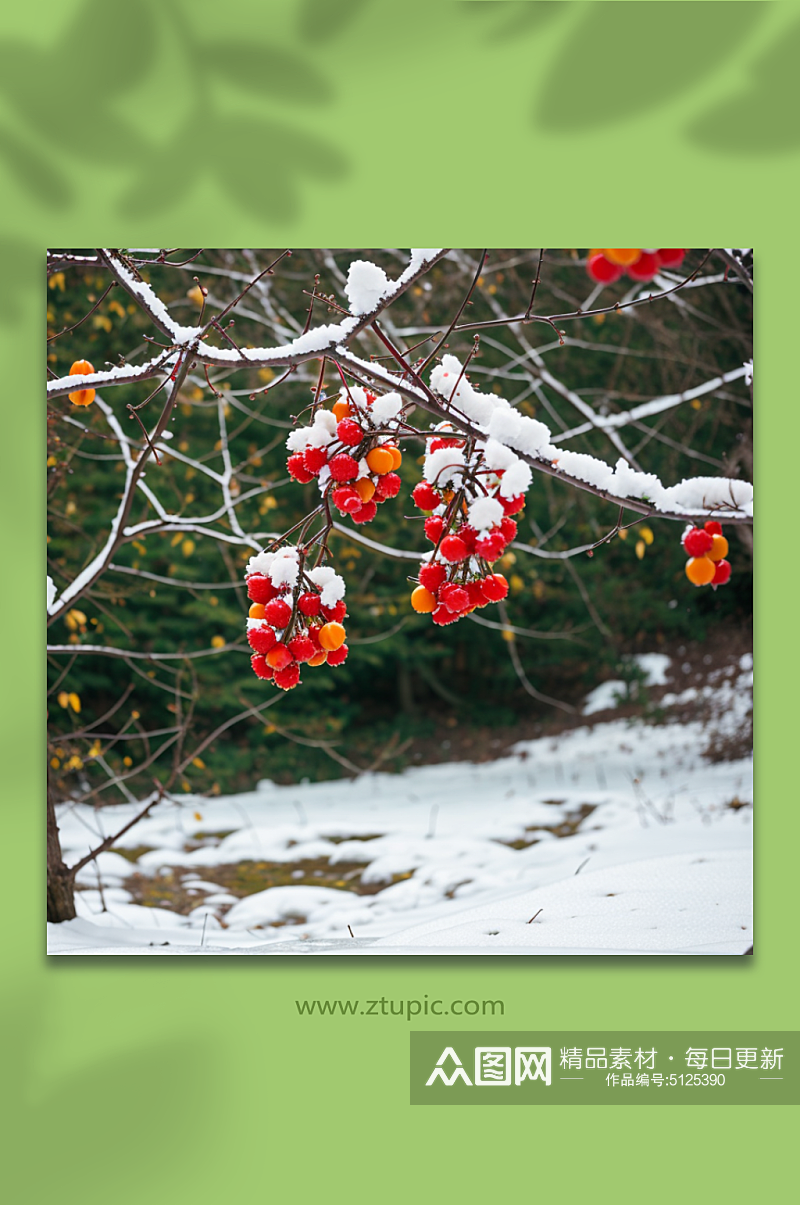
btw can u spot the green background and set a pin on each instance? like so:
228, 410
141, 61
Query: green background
511, 124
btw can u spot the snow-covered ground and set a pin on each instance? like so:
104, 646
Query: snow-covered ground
613, 839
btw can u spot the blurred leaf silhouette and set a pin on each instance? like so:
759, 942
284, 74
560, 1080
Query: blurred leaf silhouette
762, 118
20, 261
255, 161
321, 20
38, 176
104, 51
521, 17
268, 70
94, 1112
624, 59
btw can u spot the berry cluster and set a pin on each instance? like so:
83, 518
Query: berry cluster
295, 616
707, 549
470, 527
350, 451
607, 265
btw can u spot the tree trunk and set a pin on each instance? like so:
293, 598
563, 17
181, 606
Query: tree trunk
60, 882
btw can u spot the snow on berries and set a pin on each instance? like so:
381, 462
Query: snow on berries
707, 549
350, 450
608, 264
472, 487
295, 616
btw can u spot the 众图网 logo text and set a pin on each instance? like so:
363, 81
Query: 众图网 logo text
494, 1066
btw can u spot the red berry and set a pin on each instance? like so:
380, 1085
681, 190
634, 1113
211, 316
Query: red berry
288, 677
442, 615
346, 499
301, 647
261, 639
336, 613
278, 613
645, 267
436, 444
670, 259
698, 542
388, 486
260, 667
297, 469
338, 656
314, 459
508, 528
469, 535
602, 270
713, 528
491, 547
454, 597
260, 588
495, 587
365, 513
279, 656
512, 506
434, 526
722, 574
343, 467
349, 432
477, 598
309, 604
431, 575
425, 496
453, 548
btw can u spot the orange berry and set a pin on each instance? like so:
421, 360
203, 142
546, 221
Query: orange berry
622, 257
700, 570
256, 611
397, 456
380, 461
318, 659
719, 549
81, 397
365, 489
332, 635
422, 600
342, 410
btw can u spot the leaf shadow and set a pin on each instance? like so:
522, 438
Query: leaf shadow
762, 118
521, 18
625, 59
321, 21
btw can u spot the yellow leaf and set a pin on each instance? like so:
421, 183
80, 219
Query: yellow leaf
102, 322
269, 729
217, 642
51, 462
63, 699
265, 375
187, 547
508, 635
56, 281
696, 404
646, 535
95, 749
74, 702
640, 548
195, 294
516, 583
508, 560
127, 761
198, 761
176, 539
214, 600
623, 534
198, 815
185, 786
134, 715
55, 763
70, 508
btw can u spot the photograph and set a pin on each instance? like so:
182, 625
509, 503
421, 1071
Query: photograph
399, 602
